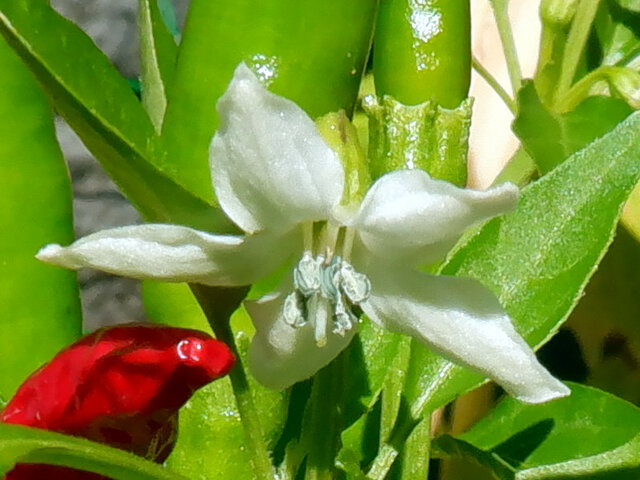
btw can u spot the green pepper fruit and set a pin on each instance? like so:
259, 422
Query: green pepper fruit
312, 52
39, 304
422, 51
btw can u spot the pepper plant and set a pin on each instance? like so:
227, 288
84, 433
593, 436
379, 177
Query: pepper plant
301, 169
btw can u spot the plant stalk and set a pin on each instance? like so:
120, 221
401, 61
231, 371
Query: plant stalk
494, 84
326, 420
218, 304
501, 14
576, 41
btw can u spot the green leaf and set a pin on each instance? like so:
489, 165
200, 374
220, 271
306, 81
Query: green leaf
633, 5
158, 52
414, 460
169, 16
210, 421
590, 434
39, 304
618, 40
312, 52
520, 169
370, 361
550, 138
99, 105
538, 259
30, 445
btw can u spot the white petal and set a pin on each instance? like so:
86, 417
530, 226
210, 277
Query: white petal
408, 215
281, 355
463, 321
174, 253
270, 166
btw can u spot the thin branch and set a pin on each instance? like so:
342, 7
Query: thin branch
495, 85
501, 14
576, 41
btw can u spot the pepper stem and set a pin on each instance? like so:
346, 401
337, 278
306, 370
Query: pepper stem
218, 304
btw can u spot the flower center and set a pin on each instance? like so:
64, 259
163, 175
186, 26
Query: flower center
325, 292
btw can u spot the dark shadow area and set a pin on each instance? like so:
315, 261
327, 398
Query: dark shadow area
563, 357
520, 446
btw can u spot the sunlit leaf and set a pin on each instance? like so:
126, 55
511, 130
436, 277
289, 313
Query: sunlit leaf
99, 105
590, 434
158, 53
551, 138
538, 259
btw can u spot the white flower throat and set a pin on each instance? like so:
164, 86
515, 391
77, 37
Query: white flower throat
326, 287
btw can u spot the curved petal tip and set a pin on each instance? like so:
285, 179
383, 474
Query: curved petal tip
551, 390
49, 253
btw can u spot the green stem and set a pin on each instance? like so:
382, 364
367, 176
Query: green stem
494, 84
388, 451
417, 452
585, 87
501, 14
326, 420
576, 41
218, 304
382, 463
579, 91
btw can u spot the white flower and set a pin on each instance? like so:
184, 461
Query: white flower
278, 180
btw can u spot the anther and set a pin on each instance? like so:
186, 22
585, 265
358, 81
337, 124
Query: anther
356, 286
306, 275
293, 310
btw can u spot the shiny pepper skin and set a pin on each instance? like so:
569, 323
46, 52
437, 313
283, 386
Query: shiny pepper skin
121, 386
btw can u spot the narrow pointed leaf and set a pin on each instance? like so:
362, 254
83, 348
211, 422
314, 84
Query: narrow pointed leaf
102, 109
158, 52
39, 304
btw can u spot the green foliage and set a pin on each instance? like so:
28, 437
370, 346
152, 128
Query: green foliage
158, 53
538, 259
99, 105
590, 434
370, 363
210, 421
618, 39
30, 445
550, 138
632, 5
39, 304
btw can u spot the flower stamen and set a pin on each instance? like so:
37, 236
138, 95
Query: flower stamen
347, 243
325, 291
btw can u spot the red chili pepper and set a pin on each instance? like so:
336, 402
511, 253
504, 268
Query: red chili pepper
121, 386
